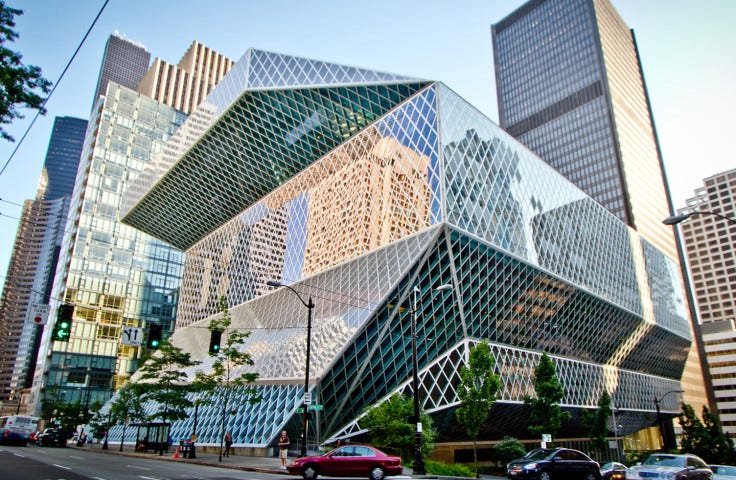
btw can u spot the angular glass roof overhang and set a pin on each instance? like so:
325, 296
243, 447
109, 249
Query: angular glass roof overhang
265, 138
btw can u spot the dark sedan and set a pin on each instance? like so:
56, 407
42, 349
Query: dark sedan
554, 464
348, 461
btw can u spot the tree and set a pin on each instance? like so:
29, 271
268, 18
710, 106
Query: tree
21, 85
692, 430
126, 407
721, 448
597, 421
705, 439
477, 392
545, 409
164, 382
391, 429
228, 359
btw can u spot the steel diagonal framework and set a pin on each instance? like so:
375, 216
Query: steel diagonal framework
355, 187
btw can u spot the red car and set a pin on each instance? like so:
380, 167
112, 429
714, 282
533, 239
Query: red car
348, 461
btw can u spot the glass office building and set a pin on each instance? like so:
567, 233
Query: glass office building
358, 188
113, 274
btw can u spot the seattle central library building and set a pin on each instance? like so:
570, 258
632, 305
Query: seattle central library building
358, 188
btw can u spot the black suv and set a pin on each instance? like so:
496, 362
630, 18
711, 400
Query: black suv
52, 437
554, 463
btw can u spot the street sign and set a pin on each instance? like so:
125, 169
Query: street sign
131, 336
316, 408
38, 313
308, 398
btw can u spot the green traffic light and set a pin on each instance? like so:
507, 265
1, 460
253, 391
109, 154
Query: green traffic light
154, 343
215, 347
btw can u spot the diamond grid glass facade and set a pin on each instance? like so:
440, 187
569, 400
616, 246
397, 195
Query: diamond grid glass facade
425, 192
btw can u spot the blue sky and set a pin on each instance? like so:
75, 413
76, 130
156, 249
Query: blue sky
686, 48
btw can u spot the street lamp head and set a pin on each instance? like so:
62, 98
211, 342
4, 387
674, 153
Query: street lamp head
273, 283
675, 219
446, 286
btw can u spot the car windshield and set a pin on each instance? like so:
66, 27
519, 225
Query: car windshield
537, 454
665, 461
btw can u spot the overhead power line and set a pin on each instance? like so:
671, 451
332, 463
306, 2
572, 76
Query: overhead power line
56, 84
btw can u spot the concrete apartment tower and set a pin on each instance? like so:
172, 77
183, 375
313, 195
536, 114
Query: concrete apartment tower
113, 275
570, 86
33, 262
184, 85
709, 240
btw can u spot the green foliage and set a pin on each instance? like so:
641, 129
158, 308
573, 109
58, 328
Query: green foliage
228, 359
390, 428
20, 85
509, 449
705, 439
164, 382
477, 392
597, 421
545, 409
434, 467
56, 411
126, 406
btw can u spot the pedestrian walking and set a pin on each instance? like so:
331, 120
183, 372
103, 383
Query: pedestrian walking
228, 443
283, 448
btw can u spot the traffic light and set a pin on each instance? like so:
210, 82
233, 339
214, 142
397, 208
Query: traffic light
154, 336
215, 338
63, 325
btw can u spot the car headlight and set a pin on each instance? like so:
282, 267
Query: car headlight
671, 475
530, 466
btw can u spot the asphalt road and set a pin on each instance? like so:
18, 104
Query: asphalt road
47, 463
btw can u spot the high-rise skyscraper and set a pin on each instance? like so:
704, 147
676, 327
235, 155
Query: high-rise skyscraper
116, 276
33, 259
124, 62
185, 85
570, 86
709, 240
62, 158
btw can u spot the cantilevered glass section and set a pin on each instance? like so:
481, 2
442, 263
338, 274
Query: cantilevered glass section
428, 192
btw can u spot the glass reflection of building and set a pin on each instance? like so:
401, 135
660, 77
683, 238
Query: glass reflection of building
353, 187
114, 275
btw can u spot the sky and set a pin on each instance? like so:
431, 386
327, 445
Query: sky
686, 49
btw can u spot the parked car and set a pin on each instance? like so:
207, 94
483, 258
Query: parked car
671, 467
554, 463
52, 437
348, 461
613, 471
723, 472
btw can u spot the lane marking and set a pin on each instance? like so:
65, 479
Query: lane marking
78, 458
139, 468
61, 466
19, 455
99, 478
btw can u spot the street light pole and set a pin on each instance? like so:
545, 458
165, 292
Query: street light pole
664, 438
310, 306
675, 219
418, 467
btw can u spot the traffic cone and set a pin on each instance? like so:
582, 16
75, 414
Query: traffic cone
176, 453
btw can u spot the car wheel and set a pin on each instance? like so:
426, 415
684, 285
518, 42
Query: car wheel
545, 476
591, 476
376, 473
309, 472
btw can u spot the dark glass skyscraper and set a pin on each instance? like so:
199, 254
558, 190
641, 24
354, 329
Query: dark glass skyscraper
62, 158
125, 63
570, 86
33, 261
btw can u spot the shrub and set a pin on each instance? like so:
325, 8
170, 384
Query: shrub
509, 449
448, 470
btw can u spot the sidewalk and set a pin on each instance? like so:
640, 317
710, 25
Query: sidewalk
234, 461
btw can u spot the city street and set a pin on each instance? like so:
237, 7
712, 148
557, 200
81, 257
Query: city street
77, 464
